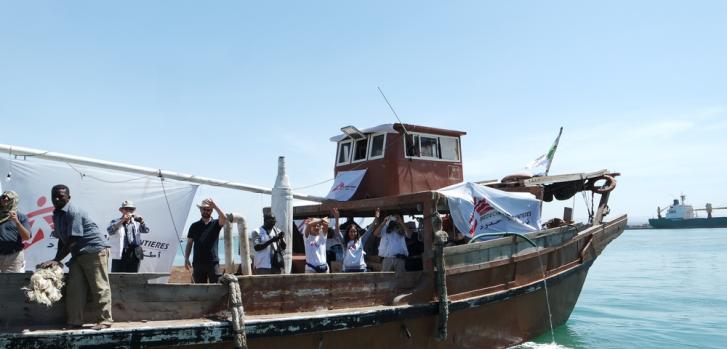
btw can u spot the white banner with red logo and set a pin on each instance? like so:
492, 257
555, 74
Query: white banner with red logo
100, 192
478, 209
345, 185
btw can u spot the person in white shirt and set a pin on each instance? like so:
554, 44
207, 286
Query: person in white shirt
125, 239
265, 241
314, 238
392, 247
353, 254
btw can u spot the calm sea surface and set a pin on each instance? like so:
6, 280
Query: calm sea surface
649, 289
652, 289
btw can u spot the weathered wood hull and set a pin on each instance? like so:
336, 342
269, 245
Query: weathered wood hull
496, 299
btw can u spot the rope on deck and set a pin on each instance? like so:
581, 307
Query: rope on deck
440, 239
236, 310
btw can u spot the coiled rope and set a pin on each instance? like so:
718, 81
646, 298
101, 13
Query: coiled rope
236, 310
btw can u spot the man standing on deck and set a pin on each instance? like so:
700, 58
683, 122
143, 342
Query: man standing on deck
88, 268
264, 241
204, 236
125, 237
14, 229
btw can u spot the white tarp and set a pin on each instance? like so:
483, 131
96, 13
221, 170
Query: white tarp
478, 209
345, 185
100, 193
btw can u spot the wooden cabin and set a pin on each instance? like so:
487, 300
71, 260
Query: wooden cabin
400, 158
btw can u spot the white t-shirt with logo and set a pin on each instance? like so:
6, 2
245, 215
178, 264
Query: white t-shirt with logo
315, 250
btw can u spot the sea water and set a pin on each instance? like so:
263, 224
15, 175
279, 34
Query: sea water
649, 289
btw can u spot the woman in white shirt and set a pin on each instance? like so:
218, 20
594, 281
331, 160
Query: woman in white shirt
353, 254
314, 239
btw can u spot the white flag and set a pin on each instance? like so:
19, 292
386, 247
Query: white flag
543, 162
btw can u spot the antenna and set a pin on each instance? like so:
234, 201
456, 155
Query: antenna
392, 110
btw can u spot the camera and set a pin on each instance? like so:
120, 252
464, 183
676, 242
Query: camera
138, 218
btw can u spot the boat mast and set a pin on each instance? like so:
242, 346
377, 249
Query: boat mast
47, 155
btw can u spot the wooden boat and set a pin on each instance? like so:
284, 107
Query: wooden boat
489, 294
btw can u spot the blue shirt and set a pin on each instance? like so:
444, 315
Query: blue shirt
10, 240
71, 221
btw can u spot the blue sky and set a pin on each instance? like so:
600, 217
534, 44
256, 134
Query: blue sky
221, 89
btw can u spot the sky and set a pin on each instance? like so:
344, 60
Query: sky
221, 89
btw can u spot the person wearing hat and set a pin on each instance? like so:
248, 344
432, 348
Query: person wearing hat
14, 229
125, 239
203, 236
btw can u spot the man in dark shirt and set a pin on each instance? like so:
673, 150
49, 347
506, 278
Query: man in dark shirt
14, 229
88, 268
203, 236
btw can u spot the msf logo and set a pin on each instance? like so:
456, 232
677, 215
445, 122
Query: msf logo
481, 208
40, 221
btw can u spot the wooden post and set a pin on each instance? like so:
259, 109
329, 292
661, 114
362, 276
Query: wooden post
568, 214
229, 262
428, 232
602, 205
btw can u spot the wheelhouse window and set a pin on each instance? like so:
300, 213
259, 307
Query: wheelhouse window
450, 148
359, 150
432, 147
429, 147
412, 145
344, 153
377, 146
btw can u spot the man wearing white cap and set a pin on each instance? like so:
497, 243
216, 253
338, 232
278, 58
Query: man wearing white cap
14, 229
204, 235
125, 239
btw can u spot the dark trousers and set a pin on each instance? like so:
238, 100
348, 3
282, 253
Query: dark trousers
128, 263
208, 272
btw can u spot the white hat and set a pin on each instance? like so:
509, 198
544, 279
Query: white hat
127, 204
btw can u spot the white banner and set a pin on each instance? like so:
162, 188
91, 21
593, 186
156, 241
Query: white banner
100, 193
345, 185
478, 209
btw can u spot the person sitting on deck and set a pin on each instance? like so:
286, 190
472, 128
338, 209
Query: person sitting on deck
392, 247
265, 241
353, 255
314, 240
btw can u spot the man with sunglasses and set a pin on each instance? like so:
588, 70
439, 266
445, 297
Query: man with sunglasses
203, 236
14, 229
125, 239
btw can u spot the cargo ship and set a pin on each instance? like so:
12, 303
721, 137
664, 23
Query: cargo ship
679, 215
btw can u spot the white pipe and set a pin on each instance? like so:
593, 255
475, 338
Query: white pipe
281, 204
244, 245
46, 155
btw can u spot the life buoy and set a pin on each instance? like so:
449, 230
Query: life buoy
601, 189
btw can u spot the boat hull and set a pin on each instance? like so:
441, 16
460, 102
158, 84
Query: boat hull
663, 223
497, 298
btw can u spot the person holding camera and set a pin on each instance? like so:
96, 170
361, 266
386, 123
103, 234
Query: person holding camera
125, 239
392, 247
269, 244
204, 236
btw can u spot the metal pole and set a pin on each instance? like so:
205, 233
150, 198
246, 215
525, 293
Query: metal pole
47, 155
